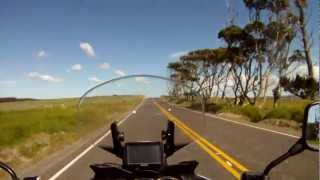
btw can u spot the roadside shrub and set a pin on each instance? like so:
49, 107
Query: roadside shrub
227, 107
295, 114
252, 112
214, 107
179, 101
196, 106
278, 113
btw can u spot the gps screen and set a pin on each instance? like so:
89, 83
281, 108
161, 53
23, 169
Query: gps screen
143, 153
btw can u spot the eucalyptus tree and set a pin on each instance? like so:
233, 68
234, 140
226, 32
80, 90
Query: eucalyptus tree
289, 20
184, 74
245, 52
280, 31
301, 86
210, 70
302, 6
253, 54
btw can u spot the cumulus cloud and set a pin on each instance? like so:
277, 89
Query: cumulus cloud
303, 70
94, 79
87, 49
119, 72
104, 66
177, 55
316, 72
41, 54
76, 67
44, 77
142, 80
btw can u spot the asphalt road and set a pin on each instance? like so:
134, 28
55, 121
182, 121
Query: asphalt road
223, 148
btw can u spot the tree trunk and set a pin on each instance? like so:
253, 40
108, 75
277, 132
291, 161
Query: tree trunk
265, 90
225, 84
276, 95
305, 38
241, 100
224, 91
204, 104
235, 100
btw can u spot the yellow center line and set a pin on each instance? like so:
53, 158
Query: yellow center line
206, 146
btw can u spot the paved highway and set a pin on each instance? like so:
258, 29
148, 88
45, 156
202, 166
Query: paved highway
224, 149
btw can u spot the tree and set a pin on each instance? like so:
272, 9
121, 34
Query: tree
303, 87
301, 6
209, 69
280, 34
183, 74
246, 48
300, 86
252, 55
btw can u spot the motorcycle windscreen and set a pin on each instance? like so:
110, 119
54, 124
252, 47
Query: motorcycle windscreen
143, 106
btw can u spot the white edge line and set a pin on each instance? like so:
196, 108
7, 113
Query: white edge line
239, 123
256, 127
67, 166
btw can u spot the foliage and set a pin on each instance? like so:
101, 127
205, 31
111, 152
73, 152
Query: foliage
279, 113
288, 109
252, 55
252, 112
232, 35
304, 87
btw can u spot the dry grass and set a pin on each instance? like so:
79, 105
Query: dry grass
291, 109
30, 130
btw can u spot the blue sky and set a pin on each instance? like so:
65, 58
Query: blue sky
61, 48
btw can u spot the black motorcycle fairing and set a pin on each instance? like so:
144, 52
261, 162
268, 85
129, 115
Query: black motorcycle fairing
110, 171
184, 170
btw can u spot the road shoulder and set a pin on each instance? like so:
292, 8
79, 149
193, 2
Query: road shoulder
49, 166
265, 127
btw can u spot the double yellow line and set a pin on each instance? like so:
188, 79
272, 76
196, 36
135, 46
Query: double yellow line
231, 165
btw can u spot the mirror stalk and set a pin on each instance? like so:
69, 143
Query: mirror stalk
297, 148
117, 139
8, 170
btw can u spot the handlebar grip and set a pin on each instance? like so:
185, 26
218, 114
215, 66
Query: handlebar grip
253, 176
32, 178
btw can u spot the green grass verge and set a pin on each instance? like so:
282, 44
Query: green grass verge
31, 130
287, 109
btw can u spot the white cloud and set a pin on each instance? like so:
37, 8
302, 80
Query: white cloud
142, 80
104, 65
178, 54
44, 77
8, 82
41, 54
94, 79
119, 72
76, 67
87, 49
316, 72
273, 80
302, 70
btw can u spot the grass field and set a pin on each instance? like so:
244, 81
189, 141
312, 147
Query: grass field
288, 113
30, 130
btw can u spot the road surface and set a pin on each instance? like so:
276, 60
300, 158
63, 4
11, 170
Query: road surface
224, 149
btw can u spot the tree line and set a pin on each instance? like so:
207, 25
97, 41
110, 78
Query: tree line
254, 59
